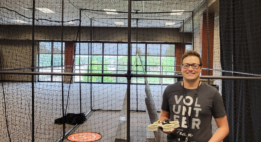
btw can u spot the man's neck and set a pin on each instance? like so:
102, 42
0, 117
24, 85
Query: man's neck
190, 84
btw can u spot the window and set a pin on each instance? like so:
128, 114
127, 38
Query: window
138, 62
110, 61
188, 47
50, 60
111, 58
156, 59
168, 62
82, 61
88, 63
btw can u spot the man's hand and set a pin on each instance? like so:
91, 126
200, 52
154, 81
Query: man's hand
168, 132
165, 116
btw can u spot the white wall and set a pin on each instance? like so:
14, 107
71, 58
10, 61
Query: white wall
99, 34
216, 54
216, 46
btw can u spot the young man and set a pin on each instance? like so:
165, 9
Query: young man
193, 104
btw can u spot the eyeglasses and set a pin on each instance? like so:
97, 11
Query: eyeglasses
194, 66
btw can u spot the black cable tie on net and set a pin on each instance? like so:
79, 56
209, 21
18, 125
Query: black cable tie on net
128, 75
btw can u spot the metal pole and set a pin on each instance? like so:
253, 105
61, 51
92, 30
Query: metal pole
133, 75
183, 44
137, 100
117, 59
207, 38
146, 56
90, 63
182, 47
62, 64
232, 66
33, 26
80, 60
52, 62
38, 49
103, 60
193, 30
129, 71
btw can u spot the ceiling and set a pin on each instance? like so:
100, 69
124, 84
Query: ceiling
144, 13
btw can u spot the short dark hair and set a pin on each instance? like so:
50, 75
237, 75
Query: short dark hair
191, 53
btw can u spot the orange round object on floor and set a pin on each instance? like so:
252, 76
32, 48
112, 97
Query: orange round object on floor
84, 137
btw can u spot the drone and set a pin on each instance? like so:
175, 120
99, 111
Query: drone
166, 126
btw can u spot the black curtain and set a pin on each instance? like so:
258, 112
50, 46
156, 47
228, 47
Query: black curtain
1, 63
240, 41
1, 56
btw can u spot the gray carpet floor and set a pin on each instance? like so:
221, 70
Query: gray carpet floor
16, 107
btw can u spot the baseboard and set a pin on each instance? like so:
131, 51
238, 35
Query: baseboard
150, 140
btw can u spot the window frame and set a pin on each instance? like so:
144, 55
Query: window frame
119, 65
52, 62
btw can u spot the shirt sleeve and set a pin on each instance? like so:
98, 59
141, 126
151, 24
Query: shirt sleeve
218, 109
165, 102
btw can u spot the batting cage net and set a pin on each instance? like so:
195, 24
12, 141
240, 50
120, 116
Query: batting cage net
98, 69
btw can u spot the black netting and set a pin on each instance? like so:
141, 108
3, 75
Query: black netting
240, 30
69, 58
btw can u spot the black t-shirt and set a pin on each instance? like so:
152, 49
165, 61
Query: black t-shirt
208, 103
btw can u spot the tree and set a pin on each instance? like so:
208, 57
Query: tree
96, 68
170, 51
168, 63
107, 78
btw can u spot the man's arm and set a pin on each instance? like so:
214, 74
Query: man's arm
164, 115
223, 129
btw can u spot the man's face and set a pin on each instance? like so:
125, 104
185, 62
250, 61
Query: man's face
190, 73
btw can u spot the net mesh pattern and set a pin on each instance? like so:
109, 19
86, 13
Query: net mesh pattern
79, 36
